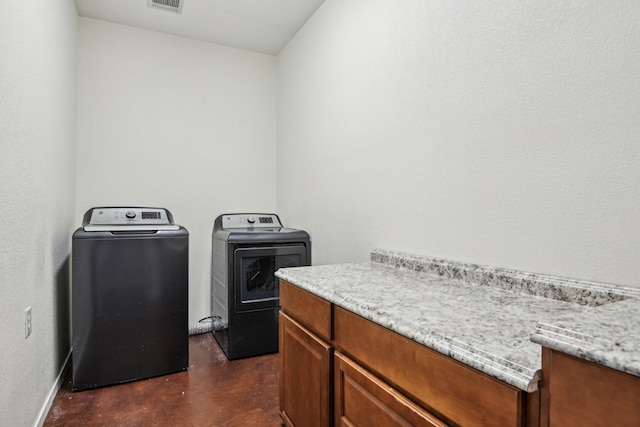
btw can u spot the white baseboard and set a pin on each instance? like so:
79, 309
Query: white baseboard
52, 394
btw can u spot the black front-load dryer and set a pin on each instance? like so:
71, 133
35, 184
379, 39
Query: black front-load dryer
247, 249
129, 296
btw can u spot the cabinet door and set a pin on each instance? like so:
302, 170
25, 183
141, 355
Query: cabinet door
362, 400
581, 393
305, 376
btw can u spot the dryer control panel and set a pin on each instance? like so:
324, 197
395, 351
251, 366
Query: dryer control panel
231, 221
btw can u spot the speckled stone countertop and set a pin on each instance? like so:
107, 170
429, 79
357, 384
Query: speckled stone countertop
483, 316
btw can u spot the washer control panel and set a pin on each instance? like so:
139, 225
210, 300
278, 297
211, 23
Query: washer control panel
230, 221
129, 216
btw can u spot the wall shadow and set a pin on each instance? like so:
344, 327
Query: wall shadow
62, 310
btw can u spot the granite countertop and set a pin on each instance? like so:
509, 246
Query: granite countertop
491, 319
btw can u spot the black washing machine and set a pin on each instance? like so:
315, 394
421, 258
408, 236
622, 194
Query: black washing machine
130, 284
247, 249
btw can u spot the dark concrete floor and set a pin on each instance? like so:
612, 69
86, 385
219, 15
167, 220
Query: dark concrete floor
212, 392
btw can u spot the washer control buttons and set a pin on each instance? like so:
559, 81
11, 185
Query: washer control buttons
130, 214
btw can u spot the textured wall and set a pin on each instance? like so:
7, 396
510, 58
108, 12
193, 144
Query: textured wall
502, 133
37, 172
176, 123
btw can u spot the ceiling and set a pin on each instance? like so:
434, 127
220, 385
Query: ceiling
257, 25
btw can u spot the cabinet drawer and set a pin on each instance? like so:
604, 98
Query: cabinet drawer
362, 400
454, 391
308, 309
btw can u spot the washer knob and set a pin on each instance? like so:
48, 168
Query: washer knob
130, 214
251, 219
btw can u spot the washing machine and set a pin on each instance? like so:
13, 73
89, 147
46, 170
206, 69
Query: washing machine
130, 284
247, 249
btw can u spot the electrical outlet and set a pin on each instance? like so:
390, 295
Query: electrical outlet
27, 322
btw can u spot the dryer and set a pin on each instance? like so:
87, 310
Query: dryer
247, 249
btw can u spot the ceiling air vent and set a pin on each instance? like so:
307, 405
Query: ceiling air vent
173, 5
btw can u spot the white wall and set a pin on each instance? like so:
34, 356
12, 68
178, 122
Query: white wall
502, 133
37, 172
176, 123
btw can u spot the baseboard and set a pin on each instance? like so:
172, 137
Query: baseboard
42, 416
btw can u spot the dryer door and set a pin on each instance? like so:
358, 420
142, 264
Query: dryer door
255, 285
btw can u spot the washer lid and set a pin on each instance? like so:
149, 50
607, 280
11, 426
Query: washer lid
127, 218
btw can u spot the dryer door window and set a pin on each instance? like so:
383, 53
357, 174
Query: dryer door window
256, 285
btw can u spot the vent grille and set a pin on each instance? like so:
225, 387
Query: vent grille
173, 5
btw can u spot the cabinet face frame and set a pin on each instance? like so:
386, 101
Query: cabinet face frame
305, 376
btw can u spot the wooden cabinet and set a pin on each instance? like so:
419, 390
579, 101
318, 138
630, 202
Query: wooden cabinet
337, 368
576, 392
378, 377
